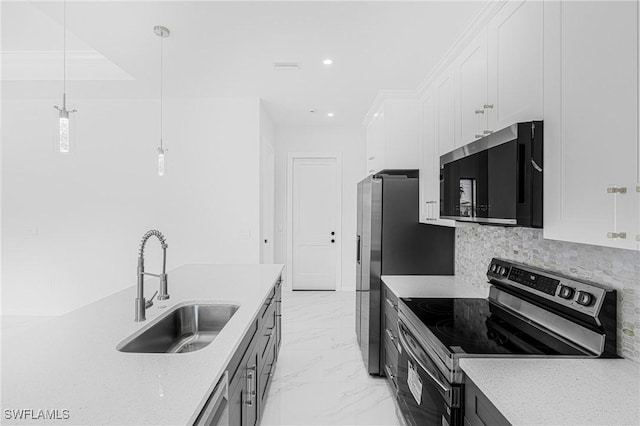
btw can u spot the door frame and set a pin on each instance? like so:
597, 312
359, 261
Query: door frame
291, 157
267, 145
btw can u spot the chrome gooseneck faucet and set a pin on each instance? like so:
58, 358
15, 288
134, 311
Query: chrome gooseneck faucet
141, 304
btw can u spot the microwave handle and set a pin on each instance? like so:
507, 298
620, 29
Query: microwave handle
405, 345
358, 249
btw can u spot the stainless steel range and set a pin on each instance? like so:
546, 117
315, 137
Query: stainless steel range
529, 313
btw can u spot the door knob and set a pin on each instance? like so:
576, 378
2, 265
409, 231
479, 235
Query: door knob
333, 233
333, 241
265, 241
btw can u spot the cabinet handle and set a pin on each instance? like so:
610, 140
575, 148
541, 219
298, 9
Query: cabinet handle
479, 136
617, 190
250, 385
390, 334
637, 237
479, 111
487, 132
389, 373
390, 303
638, 188
487, 106
371, 171
621, 235
373, 157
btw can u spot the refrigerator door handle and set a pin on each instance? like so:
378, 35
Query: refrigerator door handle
358, 250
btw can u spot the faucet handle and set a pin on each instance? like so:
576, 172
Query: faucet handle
149, 303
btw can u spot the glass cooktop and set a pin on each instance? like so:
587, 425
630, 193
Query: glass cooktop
476, 326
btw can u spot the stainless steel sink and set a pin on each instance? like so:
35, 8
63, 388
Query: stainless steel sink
186, 328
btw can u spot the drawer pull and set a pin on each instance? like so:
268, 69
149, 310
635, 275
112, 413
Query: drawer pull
390, 303
390, 334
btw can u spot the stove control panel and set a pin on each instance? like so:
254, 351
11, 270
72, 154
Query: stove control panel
577, 295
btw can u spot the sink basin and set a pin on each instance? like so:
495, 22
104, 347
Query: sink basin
186, 328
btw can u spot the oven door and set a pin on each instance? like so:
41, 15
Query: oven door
424, 394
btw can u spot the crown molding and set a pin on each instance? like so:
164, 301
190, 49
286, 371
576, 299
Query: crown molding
477, 24
385, 95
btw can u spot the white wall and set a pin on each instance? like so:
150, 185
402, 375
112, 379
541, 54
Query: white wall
90, 208
348, 140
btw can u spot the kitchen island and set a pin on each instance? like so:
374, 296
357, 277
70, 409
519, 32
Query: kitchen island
71, 364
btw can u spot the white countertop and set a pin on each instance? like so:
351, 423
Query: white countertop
71, 362
560, 391
540, 391
432, 286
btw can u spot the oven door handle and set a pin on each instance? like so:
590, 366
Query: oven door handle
403, 341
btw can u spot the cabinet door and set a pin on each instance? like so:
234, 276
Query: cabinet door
376, 135
590, 121
428, 173
445, 113
250, 391
236, 391
515, 52
471, 90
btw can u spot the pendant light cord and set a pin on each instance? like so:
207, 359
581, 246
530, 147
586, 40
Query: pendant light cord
64, 47
161, 81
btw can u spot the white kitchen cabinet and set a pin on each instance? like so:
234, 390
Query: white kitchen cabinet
430, 159
471, 91
375, 142
445, 111
591, 122
515, 60
393, 136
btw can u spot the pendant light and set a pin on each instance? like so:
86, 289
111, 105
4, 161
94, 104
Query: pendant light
161, 32
63, 134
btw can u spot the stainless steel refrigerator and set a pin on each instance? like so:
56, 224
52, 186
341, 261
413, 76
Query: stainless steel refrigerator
391, 241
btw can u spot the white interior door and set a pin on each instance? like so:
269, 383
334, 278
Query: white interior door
267, 187
315, 223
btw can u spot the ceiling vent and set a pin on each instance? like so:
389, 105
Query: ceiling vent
286, 66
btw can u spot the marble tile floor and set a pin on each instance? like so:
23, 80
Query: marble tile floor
320, 378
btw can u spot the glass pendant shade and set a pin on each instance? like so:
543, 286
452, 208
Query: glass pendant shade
64, 134
64, 128
161, 162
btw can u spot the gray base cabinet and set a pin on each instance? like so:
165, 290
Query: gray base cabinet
478, 410
389, 338
251, 367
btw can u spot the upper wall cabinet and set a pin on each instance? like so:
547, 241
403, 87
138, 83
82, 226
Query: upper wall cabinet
445, 129
471, 91
499, 74
437, 127
515, 58
393, 135
591, 122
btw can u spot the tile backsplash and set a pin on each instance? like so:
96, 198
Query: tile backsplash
615, 268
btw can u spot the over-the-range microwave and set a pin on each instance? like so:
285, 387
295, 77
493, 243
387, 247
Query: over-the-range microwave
495, 180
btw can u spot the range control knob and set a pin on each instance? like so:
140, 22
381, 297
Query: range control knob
503, 271
584, 298
494, 267
566, 292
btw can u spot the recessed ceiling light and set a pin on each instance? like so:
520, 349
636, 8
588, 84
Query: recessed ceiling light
327, 62
330, 114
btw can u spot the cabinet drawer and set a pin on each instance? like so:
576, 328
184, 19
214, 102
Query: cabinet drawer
233, 365
390, 363
268, 303
267, 370
267, 332
390, 330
